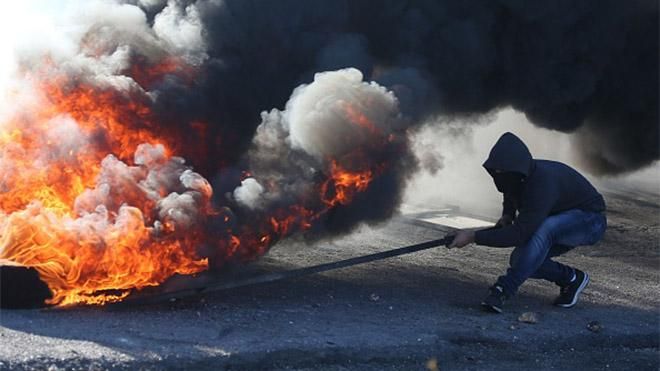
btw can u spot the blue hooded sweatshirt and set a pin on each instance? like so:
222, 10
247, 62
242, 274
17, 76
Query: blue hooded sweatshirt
549, 187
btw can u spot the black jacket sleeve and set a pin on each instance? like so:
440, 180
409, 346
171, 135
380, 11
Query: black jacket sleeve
509, 205
536, 205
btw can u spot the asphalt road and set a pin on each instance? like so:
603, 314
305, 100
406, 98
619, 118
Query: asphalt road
406, 313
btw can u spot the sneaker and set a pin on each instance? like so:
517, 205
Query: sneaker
494, 302
568, 295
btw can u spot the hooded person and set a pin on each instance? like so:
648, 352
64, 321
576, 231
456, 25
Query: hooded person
548, 209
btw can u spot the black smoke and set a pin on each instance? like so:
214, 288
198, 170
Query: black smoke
589, 67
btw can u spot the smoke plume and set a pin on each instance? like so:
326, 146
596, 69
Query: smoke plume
589, 67
300, 114
340, 126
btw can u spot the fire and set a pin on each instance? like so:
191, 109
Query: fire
145, 73
122, 122
360, 119
345, 184
52, 159
93, 197
100, 267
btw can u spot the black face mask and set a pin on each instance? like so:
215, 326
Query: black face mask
508, 182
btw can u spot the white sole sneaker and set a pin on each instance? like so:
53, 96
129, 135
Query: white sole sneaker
584, 284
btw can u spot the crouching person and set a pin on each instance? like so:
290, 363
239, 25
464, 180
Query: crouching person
548, 209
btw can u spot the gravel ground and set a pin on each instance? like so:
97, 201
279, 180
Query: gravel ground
412, 312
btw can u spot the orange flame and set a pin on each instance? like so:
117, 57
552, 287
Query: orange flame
359, 118
52, 158
49, 157
345, 184
146, 74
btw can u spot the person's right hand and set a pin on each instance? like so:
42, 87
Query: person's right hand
504, 221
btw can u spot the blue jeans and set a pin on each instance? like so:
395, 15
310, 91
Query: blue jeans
557, 234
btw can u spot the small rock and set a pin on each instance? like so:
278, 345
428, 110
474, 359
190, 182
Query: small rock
432, 364
529, 317
595, 326
374, 297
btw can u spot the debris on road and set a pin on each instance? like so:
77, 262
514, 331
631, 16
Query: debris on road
595, 326
432, 364
529, 317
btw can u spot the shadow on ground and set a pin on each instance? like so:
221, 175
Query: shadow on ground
381, 315
391, 315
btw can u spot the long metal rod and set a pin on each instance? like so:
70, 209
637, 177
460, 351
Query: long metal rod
279, 276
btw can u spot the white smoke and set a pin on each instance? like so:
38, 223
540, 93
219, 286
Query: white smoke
319, 114
182, 31
329, 119
462, 147
249, 193
176, 194
96, 41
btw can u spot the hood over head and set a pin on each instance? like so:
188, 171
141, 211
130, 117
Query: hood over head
509, 154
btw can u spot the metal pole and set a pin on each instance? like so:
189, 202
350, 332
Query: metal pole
279, 276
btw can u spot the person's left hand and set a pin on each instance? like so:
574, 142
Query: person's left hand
462, 238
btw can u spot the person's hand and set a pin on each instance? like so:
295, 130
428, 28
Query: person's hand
462, 238
504, 221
